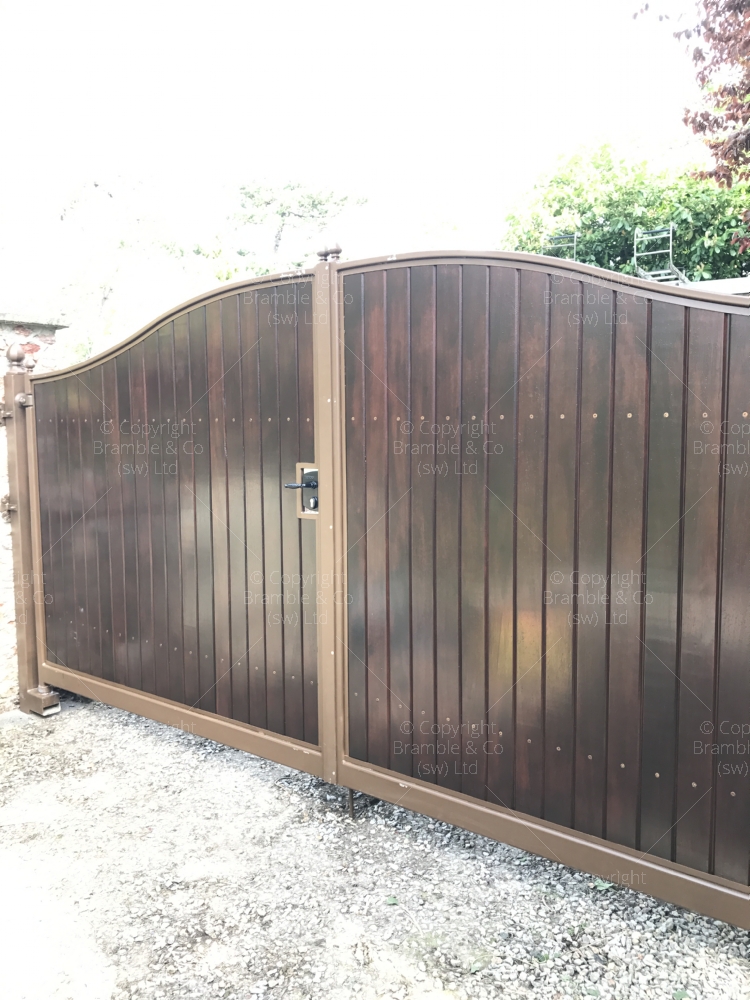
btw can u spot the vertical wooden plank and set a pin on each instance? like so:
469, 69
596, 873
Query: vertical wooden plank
356, 415
65, 544
286, 314
625, 605
661, 565
79, 611
129, 530
235, 507
701, 492
102, 418
376, 497
400, 433
219, 516
560, 630
140, 471
167, 468
310, 585
422, 502
251, 395
91, 519
593, 539
115, 511
530, 545
185, 426
447, 522
501, 479
46, 582
199, 414
732, 798
472, 469
274, 593
157, 457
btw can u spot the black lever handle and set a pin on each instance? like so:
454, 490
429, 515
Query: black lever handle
301, 486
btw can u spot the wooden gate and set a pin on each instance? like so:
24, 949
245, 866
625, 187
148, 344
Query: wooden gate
518, 603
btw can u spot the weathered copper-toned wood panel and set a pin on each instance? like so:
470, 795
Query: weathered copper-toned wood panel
560, 578
400, 436
562, 597
471, 470
310, 610
531, 410
660, 569
698, 594
356, 415
732, 794
594, 499
500, 420
624, 608
447, 520
421, 502
376, 496
173, 559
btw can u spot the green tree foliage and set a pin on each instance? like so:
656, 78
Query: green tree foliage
604, 200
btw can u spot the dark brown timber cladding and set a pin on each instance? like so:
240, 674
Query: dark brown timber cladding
174, 562
547, 504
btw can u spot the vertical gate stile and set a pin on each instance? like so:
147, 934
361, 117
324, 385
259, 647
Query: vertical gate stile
330, 568
21, 508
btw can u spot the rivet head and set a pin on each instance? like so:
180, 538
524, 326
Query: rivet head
656, 774
695, 784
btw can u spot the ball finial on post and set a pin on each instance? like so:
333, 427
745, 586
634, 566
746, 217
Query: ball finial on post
330, 253
16, 357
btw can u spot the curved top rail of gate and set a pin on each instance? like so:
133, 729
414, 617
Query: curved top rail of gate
737, 304
205, 298
694, 295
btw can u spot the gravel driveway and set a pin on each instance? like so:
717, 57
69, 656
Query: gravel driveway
138, 861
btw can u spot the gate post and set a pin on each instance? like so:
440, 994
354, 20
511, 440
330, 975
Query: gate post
17, 508
328, 459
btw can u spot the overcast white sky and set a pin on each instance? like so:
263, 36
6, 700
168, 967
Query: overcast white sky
441, 115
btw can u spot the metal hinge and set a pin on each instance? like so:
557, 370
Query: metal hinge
6, 507
25, 399
4, 414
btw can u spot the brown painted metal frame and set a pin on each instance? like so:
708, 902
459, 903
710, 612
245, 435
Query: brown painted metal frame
717, 897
